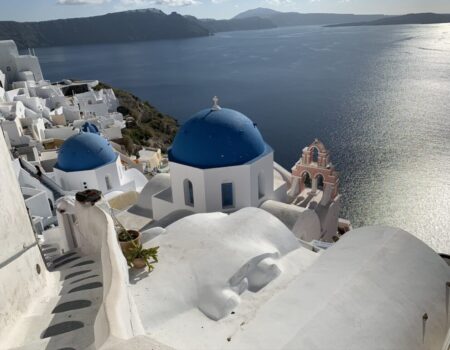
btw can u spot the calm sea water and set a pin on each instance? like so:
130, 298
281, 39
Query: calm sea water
378, 97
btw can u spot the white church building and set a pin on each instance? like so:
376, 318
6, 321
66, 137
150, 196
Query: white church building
219, 162
87, 160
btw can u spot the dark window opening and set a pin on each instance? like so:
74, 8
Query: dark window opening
227, 195
188, 193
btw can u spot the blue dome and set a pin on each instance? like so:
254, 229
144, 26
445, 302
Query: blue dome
89, 127
217, 138
84, 151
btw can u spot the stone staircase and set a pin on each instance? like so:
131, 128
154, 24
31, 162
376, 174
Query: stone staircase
66, 319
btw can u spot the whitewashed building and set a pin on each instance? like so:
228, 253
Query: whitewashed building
86, 160
218, 162
18, 67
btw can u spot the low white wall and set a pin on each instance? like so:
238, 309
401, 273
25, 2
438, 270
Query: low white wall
117, 317
60, 133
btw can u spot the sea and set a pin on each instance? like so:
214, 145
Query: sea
378, 97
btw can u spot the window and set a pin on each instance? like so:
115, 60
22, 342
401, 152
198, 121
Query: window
108, 182
188, 193
261, 190
227, 195
315, 155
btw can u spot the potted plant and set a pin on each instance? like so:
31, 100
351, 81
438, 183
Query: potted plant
139, 257
128, 239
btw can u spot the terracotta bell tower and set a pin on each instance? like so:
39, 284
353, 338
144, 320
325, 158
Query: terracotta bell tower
314, 170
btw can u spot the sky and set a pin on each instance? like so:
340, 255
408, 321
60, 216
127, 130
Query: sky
37, 10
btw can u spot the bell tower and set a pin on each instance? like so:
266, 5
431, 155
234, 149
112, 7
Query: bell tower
314, 170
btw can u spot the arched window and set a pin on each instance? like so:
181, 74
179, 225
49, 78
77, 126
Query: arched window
227, 195
320, 182
261, 189
188, 193
315, 154
307, 181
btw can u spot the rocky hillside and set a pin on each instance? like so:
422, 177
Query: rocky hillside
150, 128
128, 26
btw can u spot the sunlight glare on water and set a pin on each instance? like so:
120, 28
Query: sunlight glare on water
378, 97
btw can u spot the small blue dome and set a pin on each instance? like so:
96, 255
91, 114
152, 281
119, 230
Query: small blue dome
217, 138
89, 127
84, 151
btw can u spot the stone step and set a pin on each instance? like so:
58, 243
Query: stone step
75, 340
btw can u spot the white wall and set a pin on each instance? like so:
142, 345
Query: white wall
18, 67
96, 178
60, 133
37, 203
38, 129
112, 133
36, 104
19, 280
207, 185
7, 62
74, 181
117, 317
97, 109
71, 113
14, 130
26, 180
29, 63
2, 80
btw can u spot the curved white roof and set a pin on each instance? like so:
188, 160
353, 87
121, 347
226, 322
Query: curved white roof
211, 290
369, 291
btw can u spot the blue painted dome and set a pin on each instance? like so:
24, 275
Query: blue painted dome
215, 138
89, 127
84, 151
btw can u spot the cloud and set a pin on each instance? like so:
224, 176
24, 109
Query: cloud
82, 2
279, 2
174, 3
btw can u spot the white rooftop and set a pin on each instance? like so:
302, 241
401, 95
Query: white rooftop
373, 287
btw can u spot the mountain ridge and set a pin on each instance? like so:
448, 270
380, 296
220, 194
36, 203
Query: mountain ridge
288, 19
411, 18
154, 24
109, 28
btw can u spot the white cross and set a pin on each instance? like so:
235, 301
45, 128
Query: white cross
215, 106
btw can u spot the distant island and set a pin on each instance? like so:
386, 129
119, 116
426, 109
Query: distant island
413, 18
290, 19
153, 24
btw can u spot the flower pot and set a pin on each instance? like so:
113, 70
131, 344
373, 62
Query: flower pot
126, 246
139, 263
88, 196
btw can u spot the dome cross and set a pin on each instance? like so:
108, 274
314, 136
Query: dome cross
216, 106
